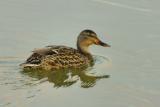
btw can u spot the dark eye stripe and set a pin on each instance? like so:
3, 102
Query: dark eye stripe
92, 35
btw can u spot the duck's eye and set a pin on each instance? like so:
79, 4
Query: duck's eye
92, 35
85, 37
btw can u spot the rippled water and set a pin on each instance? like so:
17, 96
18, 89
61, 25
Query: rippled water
125, 75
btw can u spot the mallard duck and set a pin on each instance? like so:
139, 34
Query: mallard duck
59, 57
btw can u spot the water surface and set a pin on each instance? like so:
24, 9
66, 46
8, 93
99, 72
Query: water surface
125, 75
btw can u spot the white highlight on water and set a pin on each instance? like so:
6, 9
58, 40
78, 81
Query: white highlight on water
123, 5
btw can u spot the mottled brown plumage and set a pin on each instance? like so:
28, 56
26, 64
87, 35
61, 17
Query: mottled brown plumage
58, 57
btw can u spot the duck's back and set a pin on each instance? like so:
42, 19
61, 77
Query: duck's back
56, 57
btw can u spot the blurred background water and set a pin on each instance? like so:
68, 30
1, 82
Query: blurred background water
133, 62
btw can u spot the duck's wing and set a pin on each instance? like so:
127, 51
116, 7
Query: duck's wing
39, 54
45, 51
66, 57
56, 56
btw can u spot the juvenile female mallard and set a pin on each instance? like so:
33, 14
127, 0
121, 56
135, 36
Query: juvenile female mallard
57, 57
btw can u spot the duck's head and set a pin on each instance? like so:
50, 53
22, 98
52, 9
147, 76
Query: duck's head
87, 38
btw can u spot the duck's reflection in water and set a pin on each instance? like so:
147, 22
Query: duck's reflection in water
66, 78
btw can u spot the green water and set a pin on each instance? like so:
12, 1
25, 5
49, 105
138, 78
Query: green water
125, 75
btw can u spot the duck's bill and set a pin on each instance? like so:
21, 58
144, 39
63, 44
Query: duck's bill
103, 44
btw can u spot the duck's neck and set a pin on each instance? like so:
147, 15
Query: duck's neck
82, 48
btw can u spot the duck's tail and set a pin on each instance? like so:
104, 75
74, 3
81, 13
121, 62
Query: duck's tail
29, 66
